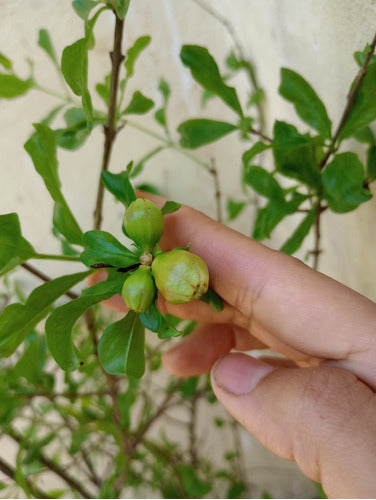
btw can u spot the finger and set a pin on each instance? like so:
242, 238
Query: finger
245, 340
197, 353
284, 298
323, 418
278, 362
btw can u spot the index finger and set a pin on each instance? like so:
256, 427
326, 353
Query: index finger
280, 295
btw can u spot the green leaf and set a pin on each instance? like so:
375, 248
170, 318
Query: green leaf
133, 53
167, 329
104, 89
66, 224
236, 490
52, 115
170, 207
197, 132
273, 213
233, 62
5, 62
31, 364
19, 475
155, 321
120, 186
160, 116
363, 111
150, 188
152, 318
343, 180
164, 88
44, 41
234, 208
371, 163
320, 490
365, 135
213, 299
43, 151
84, 7
138, 105
121, 347
60, 323
188, 387
263, 182
11, 86
72, 138
107, 489
102, 247
126, 401
90, 25
18, 320
74, 66
78, 439
295, 201
296, 239
192, 485
14, 248
257, 148
293, 155
307, 103
205, 71
206, 96
122, 7
77, 130
268, 218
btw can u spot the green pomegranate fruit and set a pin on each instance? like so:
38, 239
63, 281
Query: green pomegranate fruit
144, 223
180, 276
139, 290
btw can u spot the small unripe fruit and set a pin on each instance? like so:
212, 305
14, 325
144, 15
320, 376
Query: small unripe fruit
139, 290
180, 276
144, 223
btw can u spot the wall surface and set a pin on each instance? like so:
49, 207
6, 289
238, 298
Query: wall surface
314, 37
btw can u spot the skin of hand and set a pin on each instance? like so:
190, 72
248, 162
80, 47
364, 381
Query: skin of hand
317, 406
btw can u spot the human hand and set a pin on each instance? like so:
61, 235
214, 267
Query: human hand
323, 415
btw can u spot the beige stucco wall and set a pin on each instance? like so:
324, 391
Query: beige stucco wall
315, 37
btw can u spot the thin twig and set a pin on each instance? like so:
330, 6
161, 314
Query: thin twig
110, 131
45, 278
11, 473
68, 395
192, 432
240, 461
317, 236
158, 412
92, 472
113, 390
110, 127
350, 102
74, 483
218, 196
260, 134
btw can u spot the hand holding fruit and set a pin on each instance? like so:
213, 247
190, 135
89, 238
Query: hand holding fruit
179, 275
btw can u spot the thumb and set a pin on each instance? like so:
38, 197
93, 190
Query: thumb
322, 418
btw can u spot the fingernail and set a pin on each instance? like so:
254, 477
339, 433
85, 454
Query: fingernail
239, 374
